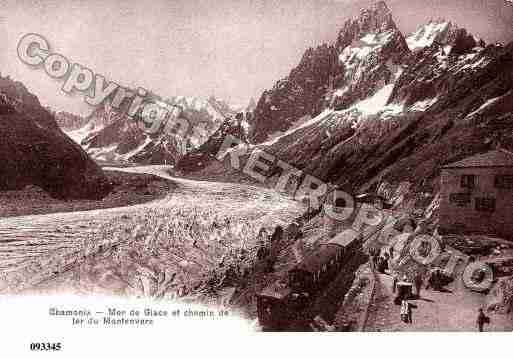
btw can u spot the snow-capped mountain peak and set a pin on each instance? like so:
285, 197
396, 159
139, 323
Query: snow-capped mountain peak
443, 33
110, 135
364, 107
427, 34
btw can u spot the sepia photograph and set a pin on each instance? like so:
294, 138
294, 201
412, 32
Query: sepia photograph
297, 169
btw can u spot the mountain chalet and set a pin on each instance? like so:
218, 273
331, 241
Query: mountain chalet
476, 194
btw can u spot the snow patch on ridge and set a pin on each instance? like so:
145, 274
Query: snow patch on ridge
484, 61
376, 103
104, 153
354, 54
341, 91
423, 105
483, 106
303, 122
138, 149
82, 133
426, 35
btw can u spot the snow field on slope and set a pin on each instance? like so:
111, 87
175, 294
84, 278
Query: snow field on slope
425, 35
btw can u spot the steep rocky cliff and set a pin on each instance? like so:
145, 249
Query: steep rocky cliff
201, 157
34, 151
299, 94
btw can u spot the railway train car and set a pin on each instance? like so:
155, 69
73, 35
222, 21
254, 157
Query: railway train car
278, 303
321, 266
275, 305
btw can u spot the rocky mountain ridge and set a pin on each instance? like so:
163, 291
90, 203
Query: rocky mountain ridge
34, 151
380, 106
110, 135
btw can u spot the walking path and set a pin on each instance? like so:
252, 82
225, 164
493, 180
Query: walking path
453, 310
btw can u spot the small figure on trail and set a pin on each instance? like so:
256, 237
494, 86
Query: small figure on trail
262, 251
406, 312
482, 319
418, 281
372, 261
263, 235
298, 232
277, 235
394, 282
375, 259
387, 259
379, 265
434, 280
382, 265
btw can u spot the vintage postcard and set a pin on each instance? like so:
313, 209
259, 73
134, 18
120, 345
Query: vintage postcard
216, 171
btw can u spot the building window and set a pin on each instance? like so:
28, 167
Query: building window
460, 199
468, 181
485, 204
504, 181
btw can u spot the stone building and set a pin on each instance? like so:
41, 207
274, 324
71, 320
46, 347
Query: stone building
476, 195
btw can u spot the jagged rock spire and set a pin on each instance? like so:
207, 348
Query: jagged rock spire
377, 18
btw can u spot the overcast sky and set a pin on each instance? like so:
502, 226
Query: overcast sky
232, 49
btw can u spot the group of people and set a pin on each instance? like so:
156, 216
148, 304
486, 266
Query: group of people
435, 280
407, 288
380, 262
416, 283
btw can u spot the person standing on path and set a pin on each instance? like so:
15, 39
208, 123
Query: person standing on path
406, 312
482, 319
418, 281
394, 282
372, 256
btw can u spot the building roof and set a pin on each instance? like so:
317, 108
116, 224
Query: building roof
496, 158
314, 262
344, 238
277, 290
369, 197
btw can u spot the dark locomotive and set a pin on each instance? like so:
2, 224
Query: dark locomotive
279, 303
